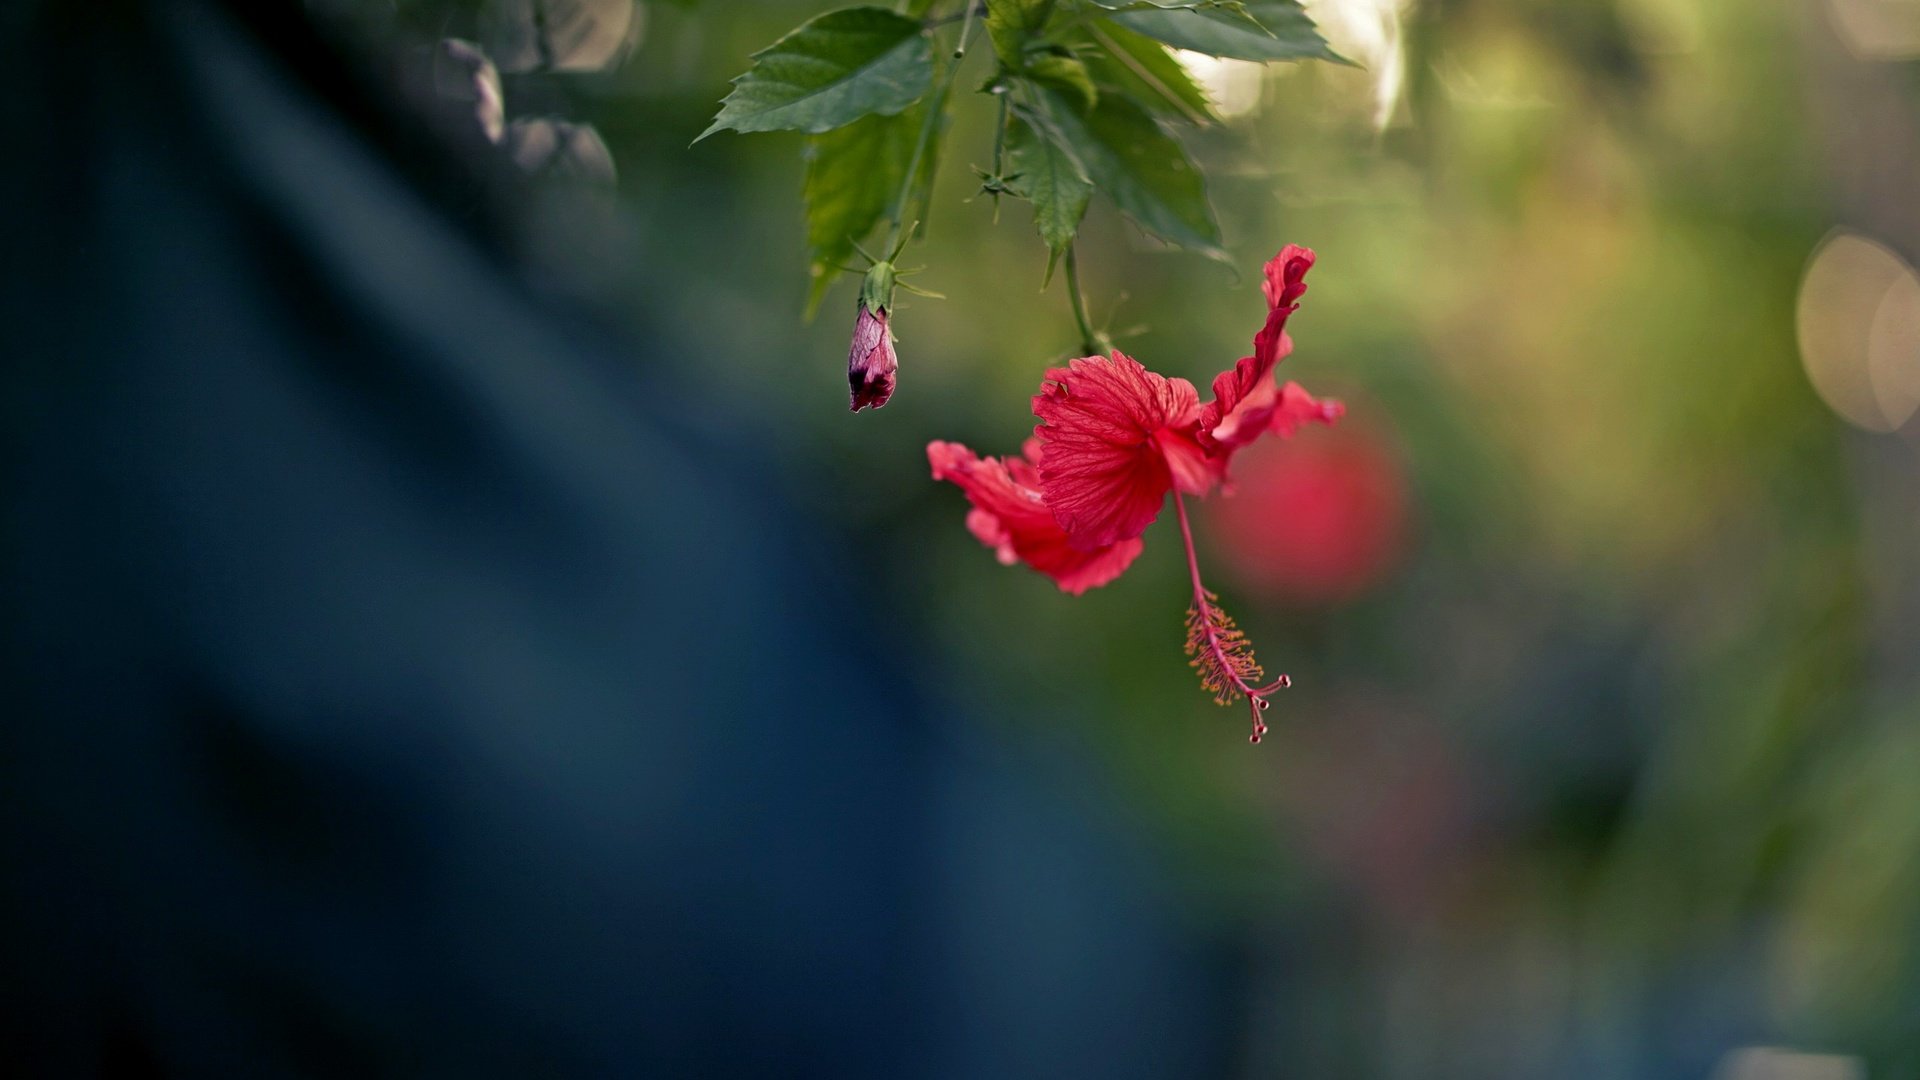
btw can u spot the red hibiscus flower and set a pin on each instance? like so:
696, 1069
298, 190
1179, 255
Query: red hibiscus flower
1114, 440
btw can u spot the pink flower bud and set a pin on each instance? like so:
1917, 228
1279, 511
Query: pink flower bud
871, 363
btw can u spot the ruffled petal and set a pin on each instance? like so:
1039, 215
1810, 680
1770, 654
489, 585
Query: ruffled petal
1297, 407
1237, 414
1286, 275
1102, 471
1026, 467
1011, 518
1249, 386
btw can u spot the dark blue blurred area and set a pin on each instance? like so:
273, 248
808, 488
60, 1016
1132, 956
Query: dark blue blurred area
401, 680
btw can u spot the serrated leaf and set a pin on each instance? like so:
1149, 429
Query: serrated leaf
1063, 72
830, 71
1133, 162
1010, 23
1044, 173
1276, 30
1144, 70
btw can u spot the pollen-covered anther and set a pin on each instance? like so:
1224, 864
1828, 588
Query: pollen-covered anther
1220, 653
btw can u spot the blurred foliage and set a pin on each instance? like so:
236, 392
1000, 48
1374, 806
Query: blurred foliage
1616, 768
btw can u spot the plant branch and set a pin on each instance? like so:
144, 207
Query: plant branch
999, 154
966, 28
1089, 339
946, 20
935, 106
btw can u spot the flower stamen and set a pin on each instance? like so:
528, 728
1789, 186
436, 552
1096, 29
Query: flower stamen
1220, 651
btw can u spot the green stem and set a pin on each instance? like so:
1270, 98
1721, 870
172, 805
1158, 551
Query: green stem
1089, 340
966, 29
1000, 137
935, 106
999, 154
970, 11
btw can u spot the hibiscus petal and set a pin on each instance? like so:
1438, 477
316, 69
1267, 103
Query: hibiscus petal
1012, 519
1102, 470
1237, 414
1248, 386
1286, 275
1026, 467
1272, 345
1268, 408
1297, 407
1195, 472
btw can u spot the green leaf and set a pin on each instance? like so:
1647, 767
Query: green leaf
854, 173
1275, 30
831, 71
1065, 72
1011, 24
1137, 165
1145, 71
1043, 172
914, 215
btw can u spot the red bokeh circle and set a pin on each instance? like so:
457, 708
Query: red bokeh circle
1318, 518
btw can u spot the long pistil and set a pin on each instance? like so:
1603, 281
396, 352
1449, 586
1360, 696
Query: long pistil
1220, 651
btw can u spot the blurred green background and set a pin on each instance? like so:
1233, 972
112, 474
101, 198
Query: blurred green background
1603, 754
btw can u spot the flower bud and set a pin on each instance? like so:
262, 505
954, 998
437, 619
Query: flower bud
870, 362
